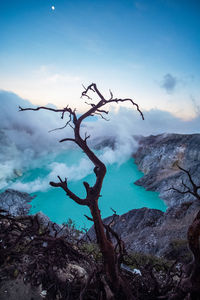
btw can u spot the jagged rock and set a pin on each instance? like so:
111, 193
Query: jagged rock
72, 272
17, 172
15, 202
151, 231
146, 230
100, 143
54, 228
16, 289
157, 157
132, 226
33, 262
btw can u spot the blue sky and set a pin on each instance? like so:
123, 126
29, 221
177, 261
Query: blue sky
145, 49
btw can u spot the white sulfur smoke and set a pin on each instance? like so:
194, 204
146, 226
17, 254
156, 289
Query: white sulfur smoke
25, 141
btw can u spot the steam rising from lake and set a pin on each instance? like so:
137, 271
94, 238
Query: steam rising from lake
25, 140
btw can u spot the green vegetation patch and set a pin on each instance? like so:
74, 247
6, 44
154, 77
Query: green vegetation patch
138, 260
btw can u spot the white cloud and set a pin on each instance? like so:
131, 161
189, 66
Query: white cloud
29, 143
59, 78
47, 84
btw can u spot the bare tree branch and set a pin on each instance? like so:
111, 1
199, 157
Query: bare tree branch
125, 100
195, 187
193, 190
103, 101
111, 95
189, 284
86, 136
89, 218
60, 128
110, 257
64, 186
67, 139
96, 113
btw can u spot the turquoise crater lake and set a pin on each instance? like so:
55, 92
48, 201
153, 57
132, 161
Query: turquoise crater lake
119, 191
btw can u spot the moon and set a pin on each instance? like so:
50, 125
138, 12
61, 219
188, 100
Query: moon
53, 7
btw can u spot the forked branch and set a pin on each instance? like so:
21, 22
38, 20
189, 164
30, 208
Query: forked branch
64, 186
193, 189
116, 284
96, 109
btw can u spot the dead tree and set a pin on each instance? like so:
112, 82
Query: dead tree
116, 284
192, 189
189, 285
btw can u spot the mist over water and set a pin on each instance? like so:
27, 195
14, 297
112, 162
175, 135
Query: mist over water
31, 156
118, 192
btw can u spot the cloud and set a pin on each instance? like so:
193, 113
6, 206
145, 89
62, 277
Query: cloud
126, 123
169, 83
29, 130
26, 143
47, 84
24, 136
77, 171
55, 78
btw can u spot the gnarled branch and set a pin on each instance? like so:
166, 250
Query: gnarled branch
193, 190
64, 186
110, 257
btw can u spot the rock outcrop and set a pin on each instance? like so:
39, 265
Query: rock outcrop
158, 156
146, 230
37, 263
152, 231
15, 202
42, 252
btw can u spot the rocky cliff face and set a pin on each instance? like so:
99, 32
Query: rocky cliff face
146, 230
152, 231
15, 203
157, 157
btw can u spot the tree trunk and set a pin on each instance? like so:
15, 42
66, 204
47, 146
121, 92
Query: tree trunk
105, 245
117, 283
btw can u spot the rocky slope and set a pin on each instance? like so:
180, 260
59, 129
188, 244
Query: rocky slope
38, 259
37, 262
158, 156
15, 203
146, 230
152, 231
